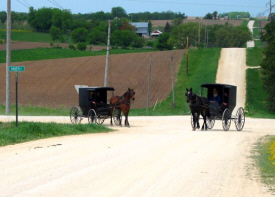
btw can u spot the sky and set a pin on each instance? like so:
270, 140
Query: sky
189, 7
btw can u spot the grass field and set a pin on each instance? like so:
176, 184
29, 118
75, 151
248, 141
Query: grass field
256, 96
27, 36
28, 131
257, 34
254, 56
55, 53
203, 66
264, 158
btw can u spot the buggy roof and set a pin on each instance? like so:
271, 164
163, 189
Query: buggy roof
212, 85
99, 88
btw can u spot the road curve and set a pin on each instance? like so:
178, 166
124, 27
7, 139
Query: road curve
157, 156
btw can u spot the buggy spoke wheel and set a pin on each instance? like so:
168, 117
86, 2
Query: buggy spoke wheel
210, 123
226, 119
100, 120
75, 115
92, 116
117, 118
240, 119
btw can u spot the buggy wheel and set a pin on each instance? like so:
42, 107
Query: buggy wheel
240, 119
226, 119
210, 123
117, 118
92, 116
75, 115
100, 120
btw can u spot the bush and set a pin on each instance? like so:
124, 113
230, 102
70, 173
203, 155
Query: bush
79, 35
82, 46
71, 46
150, 44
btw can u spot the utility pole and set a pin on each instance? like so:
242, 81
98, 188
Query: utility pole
205, 36
172, 78
199, 36
8, 57
270, 10
107, 56
149, 84
187, 55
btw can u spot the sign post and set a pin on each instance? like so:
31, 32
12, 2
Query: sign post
16, 69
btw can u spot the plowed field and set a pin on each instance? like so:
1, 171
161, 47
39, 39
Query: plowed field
33, 45
50, 83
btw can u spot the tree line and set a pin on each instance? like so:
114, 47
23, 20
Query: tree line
201, 36
268, 63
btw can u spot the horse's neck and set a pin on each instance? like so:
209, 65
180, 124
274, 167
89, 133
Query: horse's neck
126, 97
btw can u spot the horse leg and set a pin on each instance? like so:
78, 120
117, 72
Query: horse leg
198, 121
111, 115
194, 121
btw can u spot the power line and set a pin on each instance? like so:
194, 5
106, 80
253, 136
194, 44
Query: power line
54, 3
23, 4
27, 3
58, 4
198, 4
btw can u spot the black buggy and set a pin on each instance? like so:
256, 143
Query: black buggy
223, 110
92, 105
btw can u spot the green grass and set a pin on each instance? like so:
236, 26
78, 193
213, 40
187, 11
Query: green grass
36, 111
256, 96
254, 56
203, 66
27, 36
55, 53
261, 154
28, 131
245, 23
257, 34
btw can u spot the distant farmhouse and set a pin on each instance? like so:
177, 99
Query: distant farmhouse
142, 28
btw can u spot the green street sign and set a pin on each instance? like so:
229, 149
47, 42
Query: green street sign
17, 68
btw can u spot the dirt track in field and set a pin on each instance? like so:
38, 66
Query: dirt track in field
33, 45
157, 156
51, 83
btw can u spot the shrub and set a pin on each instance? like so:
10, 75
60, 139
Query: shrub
71, 46
82, 46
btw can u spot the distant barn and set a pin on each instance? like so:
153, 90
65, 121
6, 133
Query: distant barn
142, 28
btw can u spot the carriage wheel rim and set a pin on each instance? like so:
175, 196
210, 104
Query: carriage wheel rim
226, 120
75, 115
240, 119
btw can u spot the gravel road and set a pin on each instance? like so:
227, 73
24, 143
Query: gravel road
157, 156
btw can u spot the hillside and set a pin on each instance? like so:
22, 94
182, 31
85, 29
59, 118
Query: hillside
50, 83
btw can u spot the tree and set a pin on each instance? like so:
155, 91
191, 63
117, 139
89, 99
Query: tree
150, 27
79, 35
56, 33
177, 21
162, 43
167, 28
208, 16
97, 36
179, 34
215, 15
138, 42
3, 16
122, 38
119, 12
268, 63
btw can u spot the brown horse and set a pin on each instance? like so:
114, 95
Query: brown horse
122, 103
